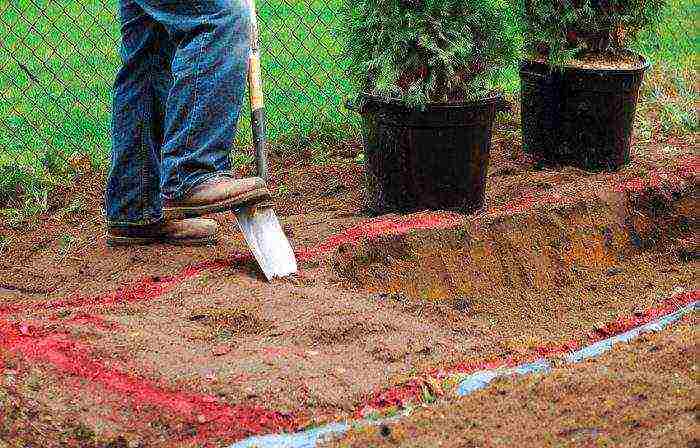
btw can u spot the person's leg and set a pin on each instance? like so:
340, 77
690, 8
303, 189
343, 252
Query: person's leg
133, 201
209, 77
162, 80
133, 194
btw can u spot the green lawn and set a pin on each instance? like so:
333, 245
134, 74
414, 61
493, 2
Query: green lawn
57, 61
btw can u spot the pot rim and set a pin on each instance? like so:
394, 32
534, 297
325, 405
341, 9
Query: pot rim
646, 64
494, 97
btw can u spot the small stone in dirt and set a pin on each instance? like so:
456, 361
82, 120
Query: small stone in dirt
638, 312
614, 271
119, 442
385, 431
395, 296
639, 397
462, 304
221, 349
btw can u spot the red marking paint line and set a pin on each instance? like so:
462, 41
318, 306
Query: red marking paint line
210, 416
152, 288
688, 168
146, 289
381, 227
213, 418
403, 394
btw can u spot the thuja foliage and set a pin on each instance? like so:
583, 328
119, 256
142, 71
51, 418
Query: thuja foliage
429, 51
562, 30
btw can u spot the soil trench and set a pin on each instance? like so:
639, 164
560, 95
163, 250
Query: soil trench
374, 305
637, 395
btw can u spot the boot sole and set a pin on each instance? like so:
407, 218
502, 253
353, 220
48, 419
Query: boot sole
248, 199
125, 241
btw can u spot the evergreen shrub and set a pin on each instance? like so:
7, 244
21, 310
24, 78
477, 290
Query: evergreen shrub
562, 31
430, 51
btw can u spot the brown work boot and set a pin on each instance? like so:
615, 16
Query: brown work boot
219, 194
185, 232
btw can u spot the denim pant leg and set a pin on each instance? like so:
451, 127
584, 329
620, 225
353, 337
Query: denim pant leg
209, 70
133, 192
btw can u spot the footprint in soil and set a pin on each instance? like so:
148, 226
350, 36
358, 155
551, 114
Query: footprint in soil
226, 323
389, 353
337, 330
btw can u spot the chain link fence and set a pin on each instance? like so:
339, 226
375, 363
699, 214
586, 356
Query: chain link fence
58, 60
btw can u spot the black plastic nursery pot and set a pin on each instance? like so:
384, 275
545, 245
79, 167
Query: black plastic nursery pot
431, 159
579, 116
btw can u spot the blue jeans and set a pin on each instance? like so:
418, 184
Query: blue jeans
177, 99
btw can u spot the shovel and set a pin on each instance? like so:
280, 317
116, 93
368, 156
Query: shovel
259, 223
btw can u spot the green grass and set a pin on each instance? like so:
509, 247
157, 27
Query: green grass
676, 43
58, 59
54, 92
670, 93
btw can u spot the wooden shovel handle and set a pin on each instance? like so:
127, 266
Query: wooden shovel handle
257, 105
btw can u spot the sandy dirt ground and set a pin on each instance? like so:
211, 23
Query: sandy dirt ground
165, 346
642, 394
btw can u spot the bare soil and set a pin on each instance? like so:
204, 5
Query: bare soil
643, 394
610, 61
164, 346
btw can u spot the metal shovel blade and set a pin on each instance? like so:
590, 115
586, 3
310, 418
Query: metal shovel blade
267, 241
